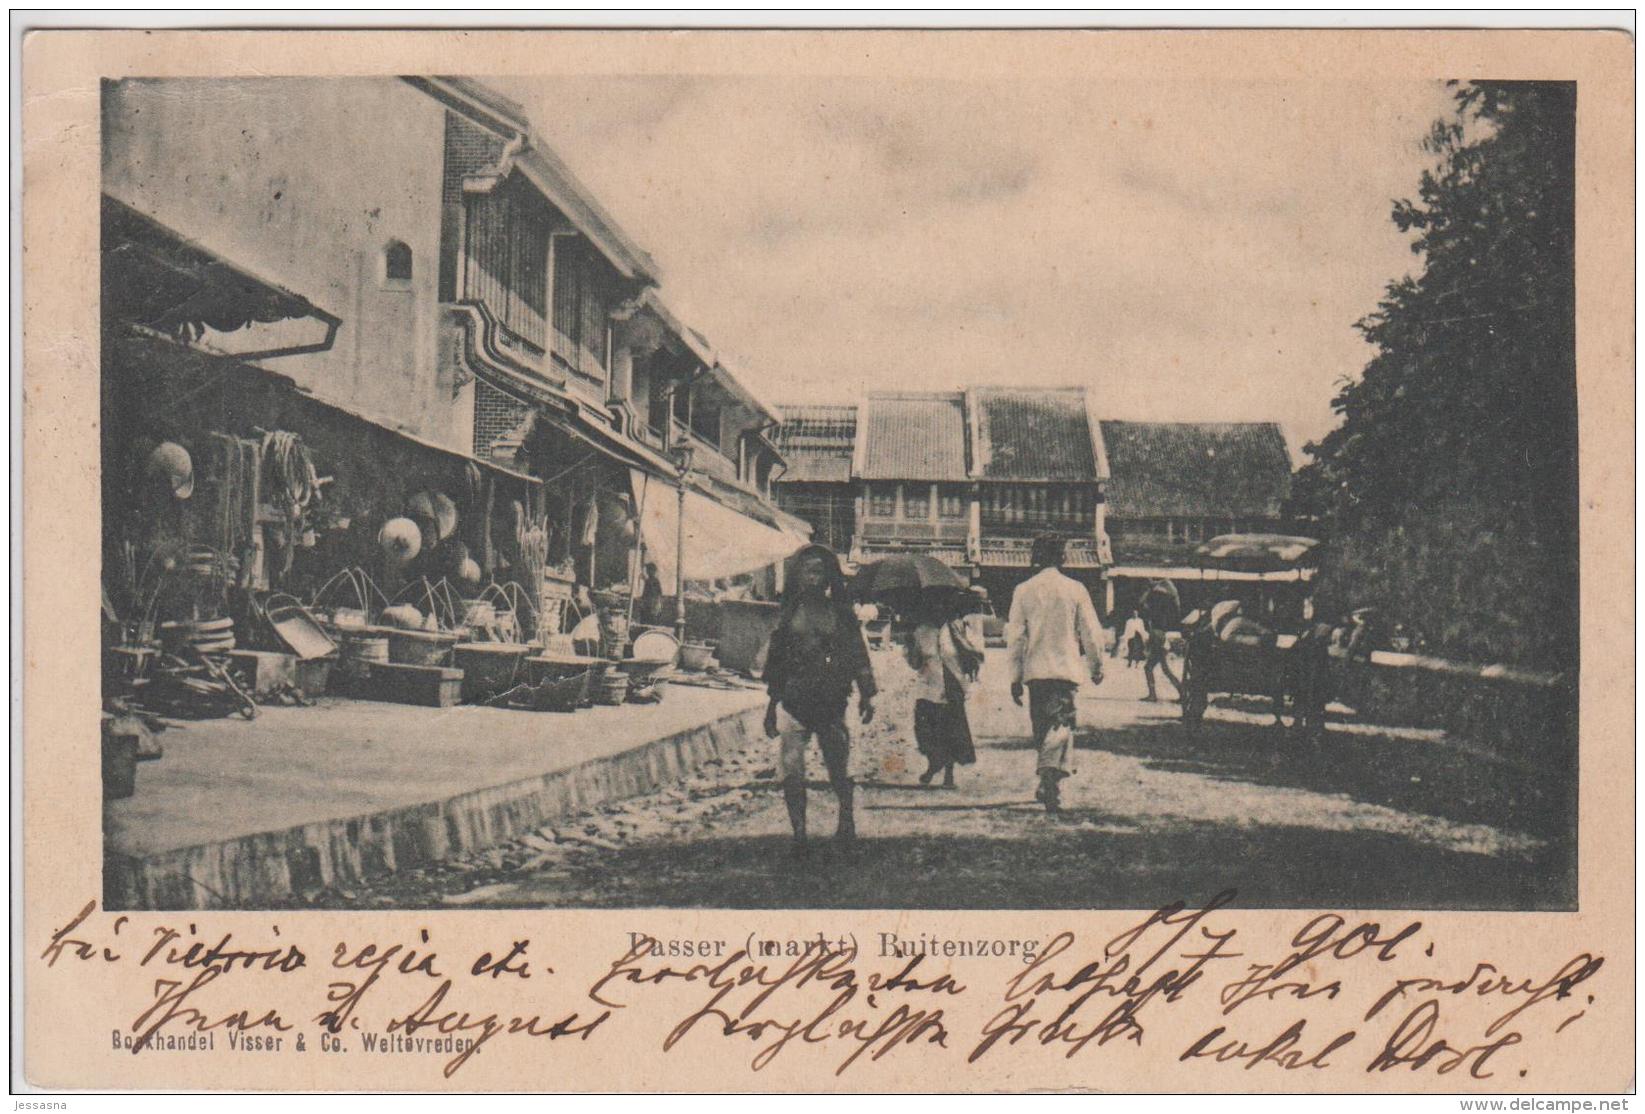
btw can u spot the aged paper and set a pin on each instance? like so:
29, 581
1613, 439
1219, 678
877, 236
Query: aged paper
388, 897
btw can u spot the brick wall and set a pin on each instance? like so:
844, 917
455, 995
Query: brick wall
495, 415
468, 150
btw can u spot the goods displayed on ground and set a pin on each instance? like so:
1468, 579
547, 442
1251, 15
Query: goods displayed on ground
210, 607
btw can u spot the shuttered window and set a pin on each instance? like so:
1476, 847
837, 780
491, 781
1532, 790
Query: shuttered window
1070, 507
916, 502
581, 308
882, 500
507, 260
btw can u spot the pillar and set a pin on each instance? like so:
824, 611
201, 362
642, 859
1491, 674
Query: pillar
622, 374
973, 528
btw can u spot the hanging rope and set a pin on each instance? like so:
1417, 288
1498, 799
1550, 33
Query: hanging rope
294, 484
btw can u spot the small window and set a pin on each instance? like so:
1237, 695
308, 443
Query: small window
882, 501
952, 503
916, 502
397, 263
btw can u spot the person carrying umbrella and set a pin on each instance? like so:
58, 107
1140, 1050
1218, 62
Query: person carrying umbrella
946, 655
816, 655
1053, 625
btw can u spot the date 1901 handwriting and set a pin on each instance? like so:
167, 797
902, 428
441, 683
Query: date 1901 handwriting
1282, 1009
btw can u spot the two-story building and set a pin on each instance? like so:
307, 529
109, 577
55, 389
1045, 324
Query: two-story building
968, 477
912, 461
817, 444
1039, 466
971, 476
401, 262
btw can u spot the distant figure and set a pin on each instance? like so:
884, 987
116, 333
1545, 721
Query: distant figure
649, 606
816, 655
1052, 627
946, 655
1161, 612
1135, 639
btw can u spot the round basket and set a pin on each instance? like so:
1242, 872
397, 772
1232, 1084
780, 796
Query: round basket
415, 647
205, 636
696, 657
488, 667
348, 618
357, 650
564, 694
365, 647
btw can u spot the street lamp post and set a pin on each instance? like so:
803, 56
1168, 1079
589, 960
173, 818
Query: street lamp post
682, 455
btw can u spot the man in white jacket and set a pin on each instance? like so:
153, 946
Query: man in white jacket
1056, 643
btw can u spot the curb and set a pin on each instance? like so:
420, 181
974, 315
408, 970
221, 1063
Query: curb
275, 869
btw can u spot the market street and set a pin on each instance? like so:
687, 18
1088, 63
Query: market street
1369, 818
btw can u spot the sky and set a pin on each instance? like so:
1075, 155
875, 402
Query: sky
1186, 251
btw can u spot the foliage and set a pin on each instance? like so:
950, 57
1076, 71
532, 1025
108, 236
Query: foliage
1448, 492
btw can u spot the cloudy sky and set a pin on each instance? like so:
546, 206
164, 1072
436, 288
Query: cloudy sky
1187, 251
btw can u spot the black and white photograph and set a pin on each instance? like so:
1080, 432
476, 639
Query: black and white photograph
696, 491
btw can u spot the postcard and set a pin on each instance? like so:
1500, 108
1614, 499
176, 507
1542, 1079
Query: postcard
837, 560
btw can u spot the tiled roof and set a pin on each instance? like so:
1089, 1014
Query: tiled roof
1028, 434
1159, 469
913, 436
817, 443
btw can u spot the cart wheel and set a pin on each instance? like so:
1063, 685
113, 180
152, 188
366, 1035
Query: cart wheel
1313, 727
1193, 698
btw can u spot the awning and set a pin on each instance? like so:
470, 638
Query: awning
1278, 576
718, 540
154, 277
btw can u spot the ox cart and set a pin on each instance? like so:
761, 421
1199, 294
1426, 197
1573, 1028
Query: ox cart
1227, 651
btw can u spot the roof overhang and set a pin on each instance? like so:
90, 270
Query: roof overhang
543, 169
653, 324
156, 278
743, 393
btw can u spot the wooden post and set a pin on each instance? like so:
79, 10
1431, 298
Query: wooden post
973, 527
679, 569
488, 498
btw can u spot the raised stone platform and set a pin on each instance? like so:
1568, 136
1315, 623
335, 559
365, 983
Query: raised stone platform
255, 814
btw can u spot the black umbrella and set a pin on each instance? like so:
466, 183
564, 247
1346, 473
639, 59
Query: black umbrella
912, 584
905, 572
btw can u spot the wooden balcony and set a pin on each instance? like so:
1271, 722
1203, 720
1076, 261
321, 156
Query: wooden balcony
998, 552
951, 531
864, 550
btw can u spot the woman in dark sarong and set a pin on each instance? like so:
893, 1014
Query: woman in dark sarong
944, 652
815, 657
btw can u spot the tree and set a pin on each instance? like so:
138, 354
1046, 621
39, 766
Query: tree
1448, 492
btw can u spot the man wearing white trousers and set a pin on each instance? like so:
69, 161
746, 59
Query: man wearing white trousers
1055, 643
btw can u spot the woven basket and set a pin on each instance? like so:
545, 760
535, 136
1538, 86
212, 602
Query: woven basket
415, 647
563, 694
